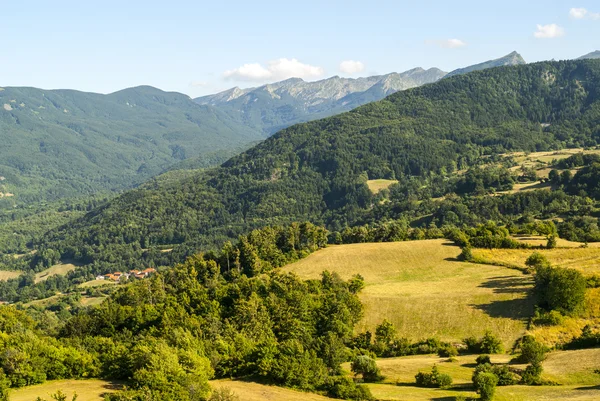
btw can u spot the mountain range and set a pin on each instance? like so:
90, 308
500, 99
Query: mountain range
272, 107
513, 58
318, 171
592, 55
63, 143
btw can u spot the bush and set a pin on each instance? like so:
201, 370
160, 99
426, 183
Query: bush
223, 394
532, 351
560, 289
537, 260
490, 344
367, 367
433, 379
532, 373
502, 372
346, 389
485, 384
483, 359
466, 254
448, 351
552, 318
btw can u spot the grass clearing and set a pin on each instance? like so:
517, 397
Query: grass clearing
97, 283
377, 186
249, 391
7, 275
60, 269
87, 390
586, 260
425, 292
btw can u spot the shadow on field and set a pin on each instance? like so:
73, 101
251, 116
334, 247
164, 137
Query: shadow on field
508, 284
518, 308
588, 388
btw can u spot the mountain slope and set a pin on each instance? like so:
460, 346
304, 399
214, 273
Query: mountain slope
592, 55
275, 106
513, 58
317, 171
62, 143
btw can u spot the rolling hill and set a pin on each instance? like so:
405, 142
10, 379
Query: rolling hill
318, 171
61, 143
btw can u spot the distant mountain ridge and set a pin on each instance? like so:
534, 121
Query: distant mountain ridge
513, 58
592, 55
275, 106
61, 143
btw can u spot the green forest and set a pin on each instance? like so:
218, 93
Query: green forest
220, 306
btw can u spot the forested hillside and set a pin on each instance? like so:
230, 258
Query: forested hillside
318, 171
58, 144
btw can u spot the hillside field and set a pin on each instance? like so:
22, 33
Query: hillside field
425, 291
86, 390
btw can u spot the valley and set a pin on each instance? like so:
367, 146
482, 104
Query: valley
413, 236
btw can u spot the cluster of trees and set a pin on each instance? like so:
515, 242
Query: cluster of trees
557, 288
188, 324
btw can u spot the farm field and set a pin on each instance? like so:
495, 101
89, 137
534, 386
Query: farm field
87, 390
7, 275
586, 260
377, 185
59, 269
573, 370
249, 391
425, 291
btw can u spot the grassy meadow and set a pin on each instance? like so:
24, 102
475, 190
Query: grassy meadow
425, 291
568, 255
377, 186
86, 390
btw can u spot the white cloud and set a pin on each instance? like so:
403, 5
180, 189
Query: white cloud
351, 67
582, 13
447, 43
549, 31
276, 70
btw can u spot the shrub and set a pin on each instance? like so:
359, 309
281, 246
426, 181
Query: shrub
560, 289
346, 389
223, 394
532, 351
447, 351
433, 379
485, 384
367, 367
483, 359
490, 344
502, 372
532, 373
552, 318
536, 260
466, 254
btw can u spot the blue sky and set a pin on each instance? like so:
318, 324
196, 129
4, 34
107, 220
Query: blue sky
198, 47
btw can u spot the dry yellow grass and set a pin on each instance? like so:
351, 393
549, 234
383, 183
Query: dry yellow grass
586, 260
97, 283
87, 390
425, 292
377, 185
248, 391
92, 301
57, 270
7, 275
573, 367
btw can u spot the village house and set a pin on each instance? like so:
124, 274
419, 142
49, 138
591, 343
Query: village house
118, 276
